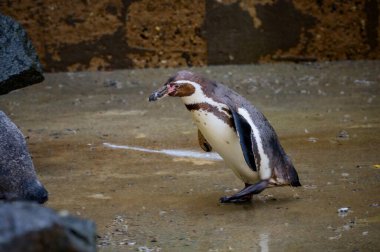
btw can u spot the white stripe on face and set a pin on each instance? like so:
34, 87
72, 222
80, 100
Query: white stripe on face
265, 170
199, 97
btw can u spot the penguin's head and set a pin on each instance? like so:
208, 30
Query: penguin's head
180, 85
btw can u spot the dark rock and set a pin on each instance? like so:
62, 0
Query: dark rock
113, 84
18, 179
343, 135
30, 227
19, 63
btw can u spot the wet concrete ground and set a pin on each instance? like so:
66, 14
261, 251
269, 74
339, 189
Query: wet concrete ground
326, 115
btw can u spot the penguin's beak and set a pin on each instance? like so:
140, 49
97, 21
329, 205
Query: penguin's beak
162, 92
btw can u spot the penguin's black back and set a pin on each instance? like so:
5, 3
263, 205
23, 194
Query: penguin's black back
283, 169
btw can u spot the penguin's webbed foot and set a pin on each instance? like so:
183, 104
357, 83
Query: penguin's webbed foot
246, 194
232, 199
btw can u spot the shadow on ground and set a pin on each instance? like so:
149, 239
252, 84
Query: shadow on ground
327, 118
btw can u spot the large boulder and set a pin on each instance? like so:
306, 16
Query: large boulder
30, 227
19, 64
18, 179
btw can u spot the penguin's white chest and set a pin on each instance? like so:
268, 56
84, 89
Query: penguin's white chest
225, 141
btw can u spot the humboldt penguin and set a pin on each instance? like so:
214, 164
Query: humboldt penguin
230, 125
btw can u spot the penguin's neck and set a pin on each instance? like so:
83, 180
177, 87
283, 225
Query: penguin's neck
199, 101
199, 97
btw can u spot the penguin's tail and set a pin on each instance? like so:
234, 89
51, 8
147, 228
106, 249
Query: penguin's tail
285, 173
294, 180
292, 173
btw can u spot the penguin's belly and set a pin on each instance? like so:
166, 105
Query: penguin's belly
224, 141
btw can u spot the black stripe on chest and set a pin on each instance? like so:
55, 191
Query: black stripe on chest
204, 106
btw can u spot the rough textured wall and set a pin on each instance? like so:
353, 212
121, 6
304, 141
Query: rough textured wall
110, 34
166, 33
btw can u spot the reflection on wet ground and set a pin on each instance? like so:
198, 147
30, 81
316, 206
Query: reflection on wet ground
326, 115
175, 153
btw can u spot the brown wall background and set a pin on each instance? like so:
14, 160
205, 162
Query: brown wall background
72, 35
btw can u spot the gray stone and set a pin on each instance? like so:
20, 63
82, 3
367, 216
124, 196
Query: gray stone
30, 227
19, 63
18, 179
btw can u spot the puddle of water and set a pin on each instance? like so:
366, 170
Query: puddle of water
176, 153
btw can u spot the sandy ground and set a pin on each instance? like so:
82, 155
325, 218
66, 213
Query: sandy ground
326, 115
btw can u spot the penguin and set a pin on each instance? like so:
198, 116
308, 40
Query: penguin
230, 125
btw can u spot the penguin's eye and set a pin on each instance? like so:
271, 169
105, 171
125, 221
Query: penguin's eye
175, 85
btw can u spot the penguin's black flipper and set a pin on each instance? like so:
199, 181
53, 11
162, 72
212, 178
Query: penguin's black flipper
245, 133
203, 142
